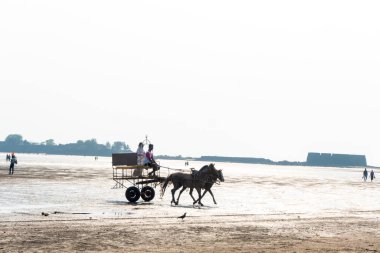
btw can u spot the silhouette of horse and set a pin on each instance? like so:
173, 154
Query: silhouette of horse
207, 187
185, 180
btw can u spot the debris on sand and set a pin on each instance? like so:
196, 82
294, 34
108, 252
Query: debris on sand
44, 214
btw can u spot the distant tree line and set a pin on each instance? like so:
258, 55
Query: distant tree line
16, 143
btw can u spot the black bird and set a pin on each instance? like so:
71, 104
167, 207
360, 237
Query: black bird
182, 216
44, 214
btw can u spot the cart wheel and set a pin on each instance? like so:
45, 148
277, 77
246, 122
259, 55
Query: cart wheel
147, 193
132, 194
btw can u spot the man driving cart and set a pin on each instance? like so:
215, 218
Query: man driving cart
149, 161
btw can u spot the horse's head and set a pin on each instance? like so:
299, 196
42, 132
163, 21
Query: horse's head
220, 175
216, 174
209, 171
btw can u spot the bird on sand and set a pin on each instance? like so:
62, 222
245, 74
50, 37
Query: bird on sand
45, 214
182, 216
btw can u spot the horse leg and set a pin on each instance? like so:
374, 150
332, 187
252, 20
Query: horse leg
212, 196
199, 196
175, 188
179, 195
191, 194
173, 191
199, 190
195, 201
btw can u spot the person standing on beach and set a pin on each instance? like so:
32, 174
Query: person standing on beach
372, 175
12, 165
149, 161
365, 175
140, 160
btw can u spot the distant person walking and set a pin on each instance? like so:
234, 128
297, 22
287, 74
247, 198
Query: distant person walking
7, 158
140, 159
12, 165
372, 175
365, 175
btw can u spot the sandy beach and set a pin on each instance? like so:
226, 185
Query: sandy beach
195, 234
255, 213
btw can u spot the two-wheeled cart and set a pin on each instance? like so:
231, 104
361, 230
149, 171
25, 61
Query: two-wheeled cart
127, 174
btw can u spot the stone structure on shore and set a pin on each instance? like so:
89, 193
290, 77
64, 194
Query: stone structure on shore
336, 160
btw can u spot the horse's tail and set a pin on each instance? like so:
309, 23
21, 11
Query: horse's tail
167, 180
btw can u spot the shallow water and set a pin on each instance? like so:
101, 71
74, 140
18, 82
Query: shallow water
79, 187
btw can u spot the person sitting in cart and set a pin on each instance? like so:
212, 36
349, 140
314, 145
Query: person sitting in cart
140, 160
149, 161
140, 154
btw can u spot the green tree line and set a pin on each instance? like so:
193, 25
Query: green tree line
16, 143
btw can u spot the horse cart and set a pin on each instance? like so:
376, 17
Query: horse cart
136, 178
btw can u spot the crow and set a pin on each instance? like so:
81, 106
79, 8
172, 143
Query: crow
182, 216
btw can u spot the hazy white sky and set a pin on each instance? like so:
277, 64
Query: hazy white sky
272, 79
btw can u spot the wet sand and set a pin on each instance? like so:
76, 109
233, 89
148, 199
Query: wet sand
194, 234
254, 213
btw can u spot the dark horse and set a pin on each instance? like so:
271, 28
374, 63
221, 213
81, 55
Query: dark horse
205, 176
208, 185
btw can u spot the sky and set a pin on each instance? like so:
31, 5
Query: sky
273, 79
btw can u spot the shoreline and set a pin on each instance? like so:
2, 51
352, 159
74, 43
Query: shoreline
200, 159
